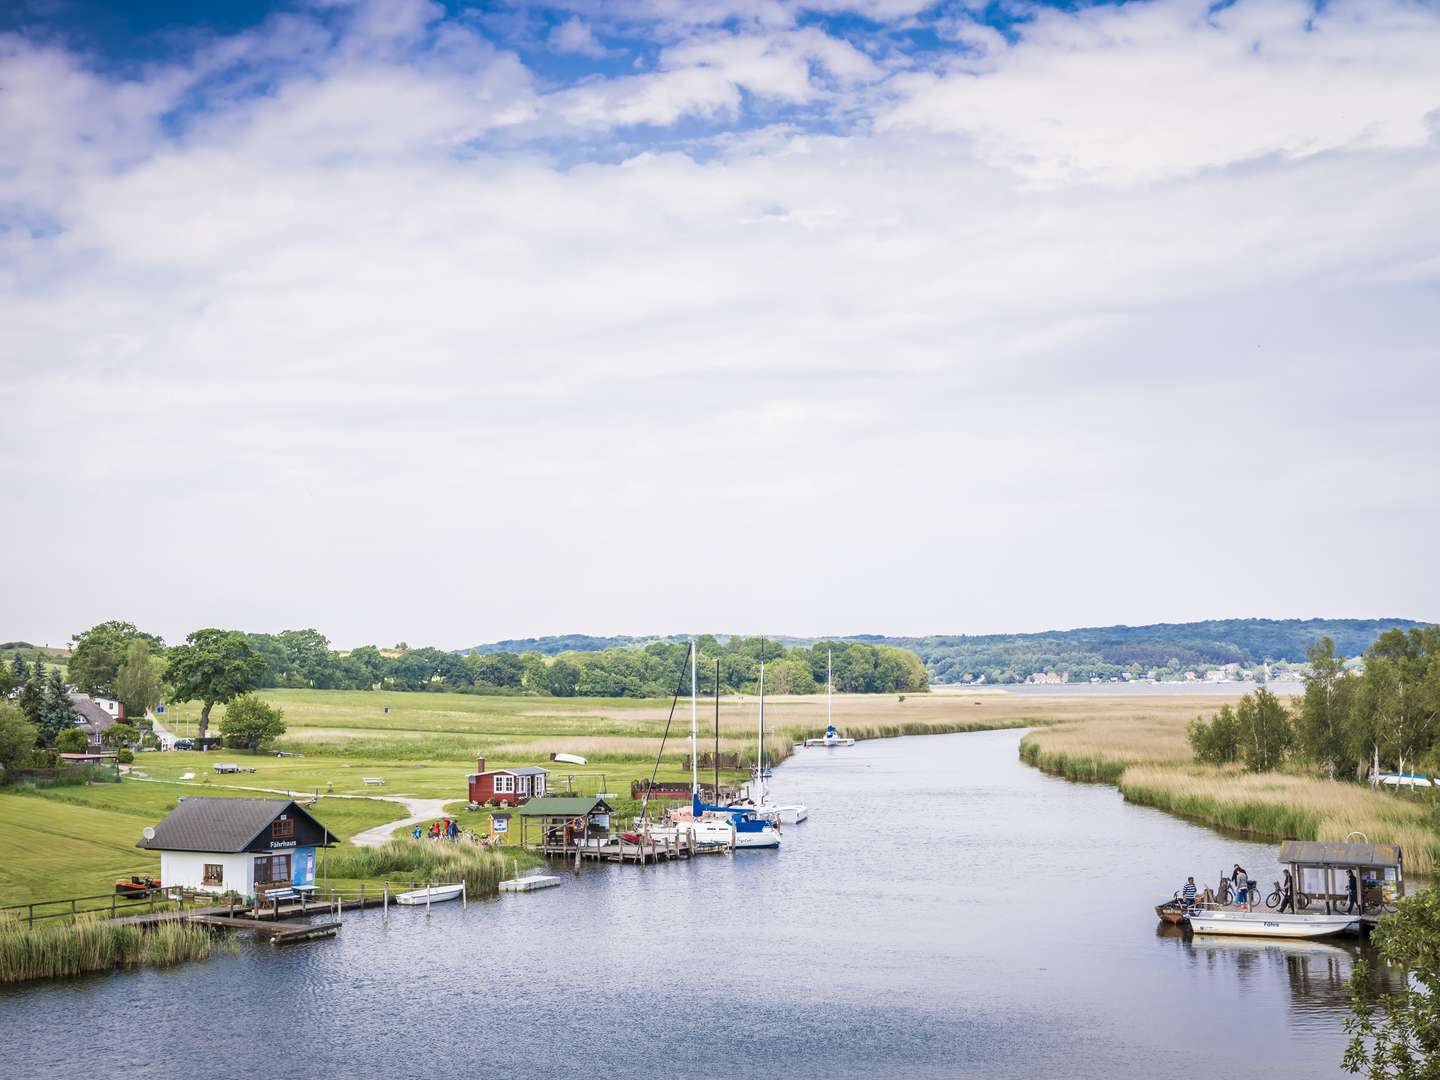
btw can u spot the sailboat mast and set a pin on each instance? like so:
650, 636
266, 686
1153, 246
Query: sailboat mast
694, 727
760, 736
717, 729
829, 683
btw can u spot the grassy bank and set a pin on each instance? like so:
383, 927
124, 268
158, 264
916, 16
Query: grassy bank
57, 950
1149, 759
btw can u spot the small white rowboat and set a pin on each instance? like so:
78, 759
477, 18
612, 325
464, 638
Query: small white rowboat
434, 895
1270, 924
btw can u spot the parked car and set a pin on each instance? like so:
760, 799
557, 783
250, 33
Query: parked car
184, 744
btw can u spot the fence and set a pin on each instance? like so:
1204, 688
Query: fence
115, 904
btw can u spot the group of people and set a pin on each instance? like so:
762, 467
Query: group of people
444, 829
1237, 888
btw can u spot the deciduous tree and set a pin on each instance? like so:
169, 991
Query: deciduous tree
138, 683
1395, 1035
212, 666
1322, 715
72, 741
99, 652
17, 736
251, 722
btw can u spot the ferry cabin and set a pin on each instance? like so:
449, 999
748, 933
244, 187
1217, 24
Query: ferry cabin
508, 787
246, 846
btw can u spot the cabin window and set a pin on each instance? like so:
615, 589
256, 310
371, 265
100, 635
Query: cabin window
504, 784
214, 873
539, 786
283, 828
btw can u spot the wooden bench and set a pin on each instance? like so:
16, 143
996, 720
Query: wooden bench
374, 781
274, 896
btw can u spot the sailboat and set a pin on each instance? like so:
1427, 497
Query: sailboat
832, 736
713, 825
757, 795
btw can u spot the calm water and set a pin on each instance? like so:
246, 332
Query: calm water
946, 911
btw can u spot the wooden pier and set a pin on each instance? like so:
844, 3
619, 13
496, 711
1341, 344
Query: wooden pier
279, 933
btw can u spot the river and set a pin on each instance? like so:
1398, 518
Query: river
945, 912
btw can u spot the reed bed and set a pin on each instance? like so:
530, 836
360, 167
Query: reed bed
425, 861
1280, 805
62, 949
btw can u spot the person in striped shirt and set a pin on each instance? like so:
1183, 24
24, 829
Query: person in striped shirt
1188, 892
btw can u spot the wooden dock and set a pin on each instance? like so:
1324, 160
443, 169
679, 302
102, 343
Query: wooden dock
278, 933
647, 851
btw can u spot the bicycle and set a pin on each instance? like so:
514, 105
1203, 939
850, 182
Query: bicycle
1273, 900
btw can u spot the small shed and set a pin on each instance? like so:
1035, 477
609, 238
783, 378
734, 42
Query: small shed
1319, 867
509, 787
246, 846
565, 823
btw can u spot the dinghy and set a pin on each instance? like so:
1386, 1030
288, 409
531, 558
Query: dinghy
434, 894
1269, 924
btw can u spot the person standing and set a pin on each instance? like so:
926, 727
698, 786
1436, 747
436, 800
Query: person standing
1188, 892
1287, 893
1242, 884
1352, 892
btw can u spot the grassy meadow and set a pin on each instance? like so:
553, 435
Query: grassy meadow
77, 840
1146, 754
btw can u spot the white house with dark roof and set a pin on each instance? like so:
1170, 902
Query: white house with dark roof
246, 846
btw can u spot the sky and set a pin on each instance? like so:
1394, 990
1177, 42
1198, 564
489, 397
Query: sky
449, 323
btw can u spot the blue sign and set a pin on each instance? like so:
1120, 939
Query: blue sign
159, 708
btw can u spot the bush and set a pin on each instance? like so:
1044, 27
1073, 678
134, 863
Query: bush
72, 741
126, 756
1216, 742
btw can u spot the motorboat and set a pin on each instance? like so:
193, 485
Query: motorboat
433, 894
1268, 924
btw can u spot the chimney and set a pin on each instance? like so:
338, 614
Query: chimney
479, 765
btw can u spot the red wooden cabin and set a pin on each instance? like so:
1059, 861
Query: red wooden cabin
510, 787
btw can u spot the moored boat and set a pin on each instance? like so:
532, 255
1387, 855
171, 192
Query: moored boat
433, 894
1171, 911
1269, 924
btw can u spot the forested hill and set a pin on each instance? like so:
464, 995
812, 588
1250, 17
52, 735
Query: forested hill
1166, 650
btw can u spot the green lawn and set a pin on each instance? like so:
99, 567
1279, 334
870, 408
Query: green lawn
75, 841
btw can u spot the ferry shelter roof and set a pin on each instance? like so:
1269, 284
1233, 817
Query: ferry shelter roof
1320, 853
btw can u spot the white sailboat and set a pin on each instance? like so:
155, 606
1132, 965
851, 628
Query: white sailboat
832, 736
757, 794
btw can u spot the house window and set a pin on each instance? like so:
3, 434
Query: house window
539, 786
283, 828
504, 784
270, 869
214, 873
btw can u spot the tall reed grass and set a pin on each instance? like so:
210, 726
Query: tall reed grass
59, 949
1280, 805
425, 861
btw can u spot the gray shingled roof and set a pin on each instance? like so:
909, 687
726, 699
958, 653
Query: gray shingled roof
528, 770
203, 823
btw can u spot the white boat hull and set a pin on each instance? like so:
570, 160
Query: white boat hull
829, 742
1270, 924
437, 894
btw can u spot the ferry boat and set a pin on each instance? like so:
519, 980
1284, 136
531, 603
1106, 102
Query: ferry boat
1269, 924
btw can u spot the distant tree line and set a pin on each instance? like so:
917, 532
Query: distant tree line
214, 666
1389, 709
1167, 649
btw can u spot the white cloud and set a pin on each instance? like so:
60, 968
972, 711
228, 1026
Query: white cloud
1144, 91
339, 332
575, 37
